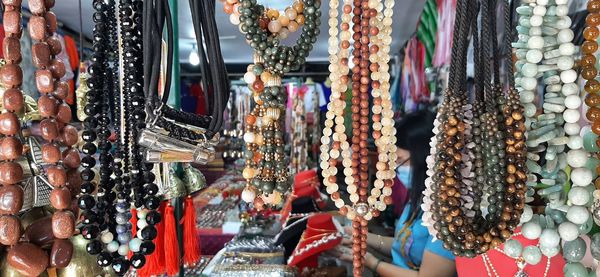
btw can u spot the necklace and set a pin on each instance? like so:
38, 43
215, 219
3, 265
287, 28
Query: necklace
520, 261
546, 133
266, 168
370, 57
589, 73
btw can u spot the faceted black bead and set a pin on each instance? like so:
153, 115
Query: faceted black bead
90, 231
120, 266
88, 162
90, 122
88, 135
147, 247
89, 217
86, 202
153, 217
88, 148
138, 260
94, 247
152, 202
104, 259
138, 203
149, 232
151, 189
87, 187
87, 175
149, 177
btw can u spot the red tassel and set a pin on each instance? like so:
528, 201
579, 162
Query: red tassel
133, 221
160, 240
191, 253
171, 243
155, 264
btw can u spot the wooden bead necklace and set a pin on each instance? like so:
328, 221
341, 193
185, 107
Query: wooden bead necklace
370, 55
452, 211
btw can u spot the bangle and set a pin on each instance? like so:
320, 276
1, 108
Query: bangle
380, 243
376, 265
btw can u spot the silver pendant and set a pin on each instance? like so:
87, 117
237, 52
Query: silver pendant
521, 273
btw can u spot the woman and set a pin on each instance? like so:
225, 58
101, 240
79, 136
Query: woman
412, 250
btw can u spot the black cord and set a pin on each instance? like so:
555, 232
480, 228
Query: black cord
508, 31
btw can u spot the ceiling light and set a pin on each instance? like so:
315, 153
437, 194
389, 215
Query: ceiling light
194, 59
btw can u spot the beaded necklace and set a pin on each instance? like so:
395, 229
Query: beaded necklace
266, 168
370, 54
550, 134
451, 211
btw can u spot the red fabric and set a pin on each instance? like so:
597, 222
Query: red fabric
72, 52
2, 35
196, 91
399, 196
306, 183
506, 266
316, 225
190, 234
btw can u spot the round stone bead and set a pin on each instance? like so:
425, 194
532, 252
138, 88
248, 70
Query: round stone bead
124, 238
529, 70
528, 83
573, 251
567, 49
572, 129
123, 250
113, 246
571, 116
134, 244
534, 56
565, 36
581, 176
550, 251
577, 158
532, 255
531, 230
106, 237
570, 89
565, 62
549, 238
578, 214
575, 142
575, 270
535, 42
513, 248
568, 76
572, 102
595, 246
579, 196
527, 96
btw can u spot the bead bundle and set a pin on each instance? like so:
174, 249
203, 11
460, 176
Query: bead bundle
479, 149
124, 177
278, 23
370, 55
266, 168
556, 149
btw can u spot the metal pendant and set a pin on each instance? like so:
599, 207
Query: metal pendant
521, 273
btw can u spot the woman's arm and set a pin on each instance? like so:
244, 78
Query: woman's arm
383, 244
433, 265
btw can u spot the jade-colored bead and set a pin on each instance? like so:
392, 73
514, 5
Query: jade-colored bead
575, 270
573, 251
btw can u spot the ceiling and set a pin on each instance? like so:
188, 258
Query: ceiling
235, 50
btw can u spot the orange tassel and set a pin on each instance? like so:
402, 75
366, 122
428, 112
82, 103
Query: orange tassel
133, 221
171, 243
191, 253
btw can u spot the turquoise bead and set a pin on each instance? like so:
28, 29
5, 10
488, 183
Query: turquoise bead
513, 248
595, 246
592, 164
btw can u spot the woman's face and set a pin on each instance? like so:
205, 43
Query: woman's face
403, 157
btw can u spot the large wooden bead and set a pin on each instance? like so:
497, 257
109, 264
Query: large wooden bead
49, 129
11, 75
10, 230
57, 176
10, 173
37, 7
11, 148
11, 199
12, 22
51, 22
69, 135
47, 106
40, 54
62, 90
11, 49
9, 124
61, 253
13, 100
51, 153
37, 27
28, 259
63, 224
64, 114
58, 69
60, 198
71, 158
44, 81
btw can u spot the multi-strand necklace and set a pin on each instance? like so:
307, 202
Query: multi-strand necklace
124, 176
454, 190
556, 149
370, 55
28, 258
266, 168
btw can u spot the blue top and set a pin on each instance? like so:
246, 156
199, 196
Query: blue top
416, 244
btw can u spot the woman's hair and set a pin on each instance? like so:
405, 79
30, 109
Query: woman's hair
413, 133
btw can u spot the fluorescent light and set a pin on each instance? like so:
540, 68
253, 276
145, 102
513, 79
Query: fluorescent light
194, 58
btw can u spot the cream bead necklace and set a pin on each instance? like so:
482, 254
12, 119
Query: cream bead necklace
383, 126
